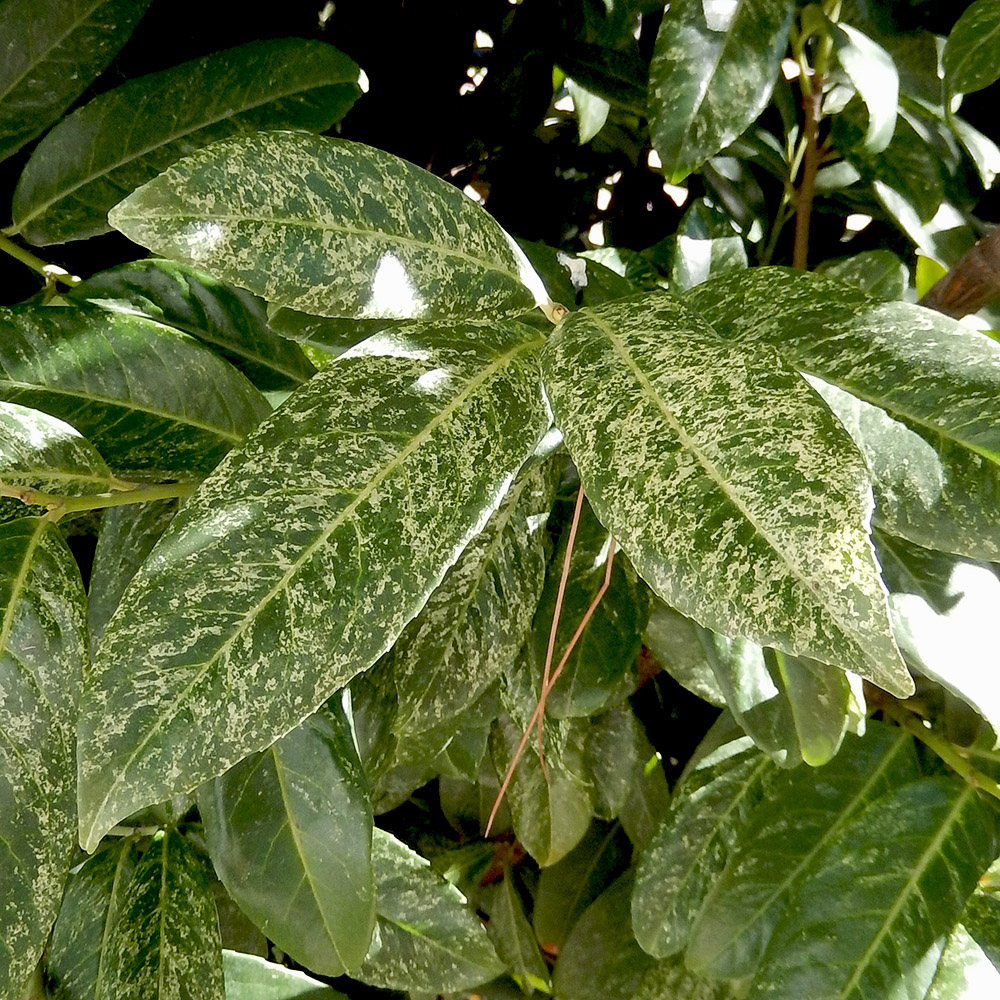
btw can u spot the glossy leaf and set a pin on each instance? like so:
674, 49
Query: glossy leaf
880, 273
970, 54
888, 886
801, 813
676, 643
42, 656
697, 260
298, 563
512, 936
251, 978
873, 73
56, 49
426, 938
712, 72
152, 401
230, 320
45, 453
591, 110
130, 134
76, 966
289, 832
682, 861
618, 75
768, 499
352, 231
165, 945
965, 970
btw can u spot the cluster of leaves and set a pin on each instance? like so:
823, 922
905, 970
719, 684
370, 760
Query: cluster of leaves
335, 441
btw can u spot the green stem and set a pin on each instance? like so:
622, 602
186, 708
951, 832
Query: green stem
50, 272
948, 752
59, 506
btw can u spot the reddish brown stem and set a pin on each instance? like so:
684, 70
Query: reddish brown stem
812, 108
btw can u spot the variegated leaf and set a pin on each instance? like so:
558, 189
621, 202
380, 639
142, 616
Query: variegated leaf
734, 491
297, 564
970, 54
512, 936
154, 402
43, 649
332, 228
289, 832
426, 938
165, 945
251, 978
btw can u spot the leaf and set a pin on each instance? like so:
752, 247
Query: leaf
228, 319
879, 273
331, 335
77, 954
320, 539
47, 454
426, 938
574, 280
353, 232
251, 978
166, 942
873, 73
512, 936
289, 832
970, 54
697, 260
617, 75
56, 49
981, 149
964, 970
712, 72
887, 887
618, 754
42, 655
679, 865
153, 402
675, 641
768, 499
128, 135
128, 534
591, 110
801, 813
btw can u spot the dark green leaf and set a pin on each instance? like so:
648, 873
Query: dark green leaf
712, 72
43, 649
889, 885
676, 642
801, 813
77, 956
619, 756
966, 969
152, 401
53, 51
575, 280
873, 74
768, 498
251, 978
130, 134
165, 945
970, 54
426, 938
697, 260
513, 937
351, 232
617, 75
297, 564
230, 320
331, 335
880, 273
289, 831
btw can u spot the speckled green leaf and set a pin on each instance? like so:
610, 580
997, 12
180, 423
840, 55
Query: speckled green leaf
165, 945
230, 320
77, 958
734, 491
426, 937
712, 72
692, 846
891, 883
332, 228
251, 978
42, 656
45, 453
154, 402
297, 564
970, 54
512, 936
880, 273
289, 832
52, 51
550, 815
801, 813
130, 134
873, 75
330, 334
473, 625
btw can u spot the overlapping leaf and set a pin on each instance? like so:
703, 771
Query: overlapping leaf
512, 936
888, 887
426, 937
165, 945
712, 72
731, 487
970, 54
251, 978
332, 228
289, 831
130, 134
872, 72
42, 657
152, 401
298, 563
880, 273
55, 49
230, 320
